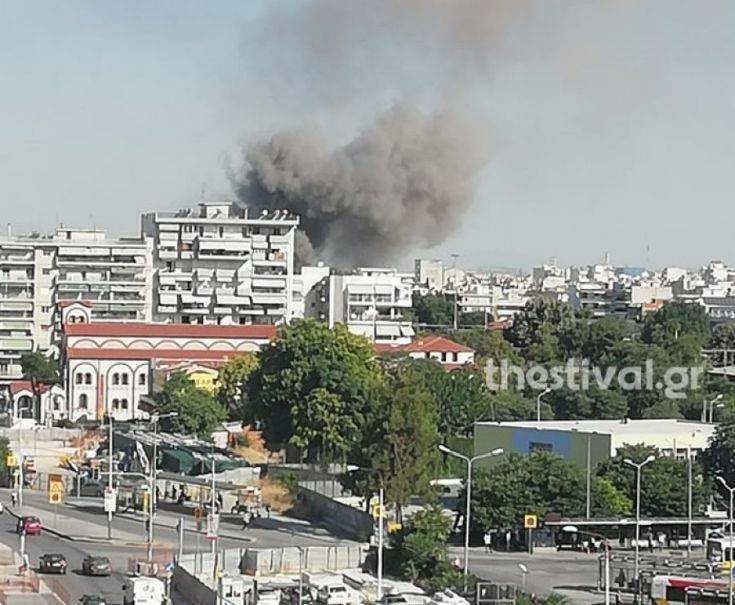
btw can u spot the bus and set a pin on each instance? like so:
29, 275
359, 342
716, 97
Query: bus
677, 590
720, 551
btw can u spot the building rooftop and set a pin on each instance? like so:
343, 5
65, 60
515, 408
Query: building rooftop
170, 330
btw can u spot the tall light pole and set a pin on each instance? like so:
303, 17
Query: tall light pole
469, 461
351, 468
708, 408
638, 467
538, 403
109, 474
155, 419
721, 479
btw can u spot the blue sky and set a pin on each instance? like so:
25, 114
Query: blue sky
610, 122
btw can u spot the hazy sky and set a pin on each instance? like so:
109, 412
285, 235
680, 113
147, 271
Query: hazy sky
610, 123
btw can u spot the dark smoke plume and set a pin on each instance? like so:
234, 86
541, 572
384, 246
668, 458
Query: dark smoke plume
403, 183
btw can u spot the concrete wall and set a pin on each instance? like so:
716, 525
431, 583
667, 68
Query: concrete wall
570, 445
194, 590
276, 561
340, 518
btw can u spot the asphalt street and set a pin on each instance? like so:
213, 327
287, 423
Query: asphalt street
261, 533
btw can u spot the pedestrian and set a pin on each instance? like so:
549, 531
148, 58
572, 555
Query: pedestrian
14, 498
173, 493
268, 510
488, 540
650, 542
245, 521
219, 500
507, 540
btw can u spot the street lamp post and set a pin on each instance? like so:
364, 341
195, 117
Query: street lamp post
155, 419
381, 495
469, 461
538, 403
109, 474
638, 467
731, 490
708, 408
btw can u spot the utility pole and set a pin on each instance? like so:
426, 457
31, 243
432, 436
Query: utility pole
638, 468
589, 474
109, 475
721, 479
214, 526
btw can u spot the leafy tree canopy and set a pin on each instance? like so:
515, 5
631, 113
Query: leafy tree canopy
314, 388
38, 368
232, 383
197, 411
433, 309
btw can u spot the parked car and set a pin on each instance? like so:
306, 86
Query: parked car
333, 594
30, 525
91, 488
52, 563
290, 596
96, 566
88, 599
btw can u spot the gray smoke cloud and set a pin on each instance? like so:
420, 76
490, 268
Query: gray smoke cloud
403, 183
406, 180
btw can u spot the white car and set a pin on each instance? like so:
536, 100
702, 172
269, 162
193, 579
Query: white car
448, 597
269, 596
333, 594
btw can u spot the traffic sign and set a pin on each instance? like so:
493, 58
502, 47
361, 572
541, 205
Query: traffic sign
530, 521
55, 489
212, 526
110, 500
11, 461
54, 498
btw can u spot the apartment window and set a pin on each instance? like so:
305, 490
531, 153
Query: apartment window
45, 309
88, 378
201, 230
116, 378
124, 378
188, 228
46, 271
124, 404
141, 380
4, 368
79, 378
83, 399
57, 402
185, 319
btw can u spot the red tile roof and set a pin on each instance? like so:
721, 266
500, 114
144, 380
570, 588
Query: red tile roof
431, 344
16, 386
169, 330
62, 304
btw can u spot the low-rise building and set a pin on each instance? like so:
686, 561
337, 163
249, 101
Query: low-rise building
108, 367
451, 355
572, 439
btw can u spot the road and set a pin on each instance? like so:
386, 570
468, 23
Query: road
264, 532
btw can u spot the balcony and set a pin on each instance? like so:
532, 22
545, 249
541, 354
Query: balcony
16, 344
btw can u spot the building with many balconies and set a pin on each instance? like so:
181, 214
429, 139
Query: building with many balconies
215, 264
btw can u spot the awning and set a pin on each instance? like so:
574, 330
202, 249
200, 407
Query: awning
388, 330
407, 331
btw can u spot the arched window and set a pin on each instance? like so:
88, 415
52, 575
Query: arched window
88, 378
79, 378
115, 404
83, 401
141, 380
116, 378
124, 377
124, 404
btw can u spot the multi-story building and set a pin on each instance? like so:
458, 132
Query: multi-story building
429, 273
374, 303
311, 293
214, 264
37, 272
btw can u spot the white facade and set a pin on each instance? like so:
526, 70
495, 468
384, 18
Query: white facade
374, 303
216, 265
311, 293
429, 273
38, 272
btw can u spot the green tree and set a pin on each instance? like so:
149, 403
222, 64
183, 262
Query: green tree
664, 481
39, 370
420, 555
535, 330
594, 403
719, 457
536, 483
197, 411
487, 344
310, 366
506, 405
681, 328
433, 309
232, 385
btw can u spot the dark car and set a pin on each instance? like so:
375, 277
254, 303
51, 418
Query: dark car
89, 599
29, 525
52, 563
91, 488
96, 566
290, 596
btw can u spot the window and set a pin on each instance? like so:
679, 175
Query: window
88, 378
46, 271
185, 319
83, 401
124, 378
540, 447
115, 404
141, 380
221, 231
79, 378
116, 378
45, 308
124, 404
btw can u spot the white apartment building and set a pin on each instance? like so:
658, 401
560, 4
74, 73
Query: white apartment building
311, 293
429, 273
215, 264
374, 303
37, 272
